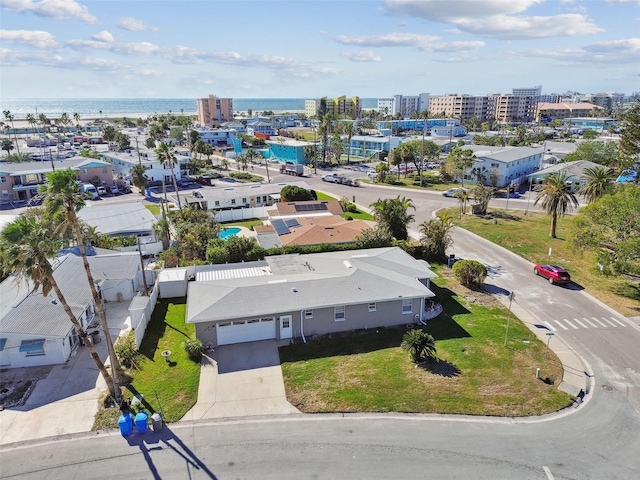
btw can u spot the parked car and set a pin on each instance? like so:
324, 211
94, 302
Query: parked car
553, 273
102, 191
452, 192
114, 190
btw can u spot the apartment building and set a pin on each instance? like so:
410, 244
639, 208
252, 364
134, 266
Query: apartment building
212, 111
512, 108
461, 106
339, 107
527, 92
404, 106
547, 112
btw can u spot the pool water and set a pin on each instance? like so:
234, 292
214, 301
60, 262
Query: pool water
228, 232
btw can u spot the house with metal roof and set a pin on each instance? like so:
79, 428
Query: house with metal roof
505, 165
574, 171
35, 330
299, 296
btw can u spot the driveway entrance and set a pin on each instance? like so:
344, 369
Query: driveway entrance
243, 379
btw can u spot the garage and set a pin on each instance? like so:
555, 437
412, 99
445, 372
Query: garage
240, 331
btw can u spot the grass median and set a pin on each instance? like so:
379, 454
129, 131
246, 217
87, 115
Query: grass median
507, 228
367, 371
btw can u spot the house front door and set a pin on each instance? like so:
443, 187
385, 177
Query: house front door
286, 326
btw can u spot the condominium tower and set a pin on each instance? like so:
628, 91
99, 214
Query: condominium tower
212, 111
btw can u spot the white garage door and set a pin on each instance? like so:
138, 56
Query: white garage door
246, 330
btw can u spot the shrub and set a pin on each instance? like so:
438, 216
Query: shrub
470, 273
126, 350
420, 345
194, 349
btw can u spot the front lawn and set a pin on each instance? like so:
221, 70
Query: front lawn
170, 388
367, 371
506, 227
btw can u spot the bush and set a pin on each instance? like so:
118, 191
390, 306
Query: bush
125, 348
194, 349
470, 273
420, 345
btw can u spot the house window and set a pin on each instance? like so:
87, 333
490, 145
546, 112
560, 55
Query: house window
407, 305
3, 179
339, 314
308, 314
84, 171
244, 200
104, 169
372, 307
233, 201
32, 348
3, 342
217, 203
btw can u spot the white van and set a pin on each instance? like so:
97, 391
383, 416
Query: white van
90, 190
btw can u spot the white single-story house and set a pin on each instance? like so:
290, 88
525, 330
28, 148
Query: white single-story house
124, 220
35, 330
298, 296
155, 170
574, 171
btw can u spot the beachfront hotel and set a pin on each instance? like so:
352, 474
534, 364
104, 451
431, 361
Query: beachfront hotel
340, 107
212, 111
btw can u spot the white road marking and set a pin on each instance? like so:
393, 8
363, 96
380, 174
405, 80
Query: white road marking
580, 323
609, 322
589, 322
548, 473
599, 321
616, 320
565, 328
550, 326
571, 324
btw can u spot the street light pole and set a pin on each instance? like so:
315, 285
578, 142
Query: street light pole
549, 335
512, 295
422, 159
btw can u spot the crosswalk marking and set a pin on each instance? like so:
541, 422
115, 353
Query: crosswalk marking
609, 322
616, 320
580, 323
570, 324
604, 325
561, 325
590, 323
551, 327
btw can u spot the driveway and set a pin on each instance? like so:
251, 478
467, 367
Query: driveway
244, 379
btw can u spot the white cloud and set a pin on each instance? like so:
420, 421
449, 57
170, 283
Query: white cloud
57, 9
623, 52
496, 18
141, 48
633, 2
362, 56
133, 25
457, 46
33, 38
388, 40
103, 36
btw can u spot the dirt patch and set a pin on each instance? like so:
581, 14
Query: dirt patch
16, 384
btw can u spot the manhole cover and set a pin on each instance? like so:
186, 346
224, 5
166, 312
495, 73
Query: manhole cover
608, 388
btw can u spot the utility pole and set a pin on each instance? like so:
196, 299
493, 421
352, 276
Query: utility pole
511, 297
138, 149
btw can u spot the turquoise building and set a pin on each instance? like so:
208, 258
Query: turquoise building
291, 151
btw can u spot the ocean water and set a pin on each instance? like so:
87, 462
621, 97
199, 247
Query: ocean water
111, 107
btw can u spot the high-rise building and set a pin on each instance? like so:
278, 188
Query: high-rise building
212, 111
404, 106
527, 92
339, 107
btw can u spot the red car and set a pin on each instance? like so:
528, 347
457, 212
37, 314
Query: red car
553, 273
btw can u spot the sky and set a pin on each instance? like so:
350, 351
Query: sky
315, 48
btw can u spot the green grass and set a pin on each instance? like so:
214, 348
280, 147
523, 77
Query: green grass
250, 223
359, 215
170, 388
367, 371
506, 227
155, 209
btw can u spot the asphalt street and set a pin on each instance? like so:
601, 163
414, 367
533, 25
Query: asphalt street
598, 440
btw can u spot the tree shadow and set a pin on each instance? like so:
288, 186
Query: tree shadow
166, 440
155, 330
628, 289
443, 368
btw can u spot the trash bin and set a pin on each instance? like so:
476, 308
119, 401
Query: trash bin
451, 260
95, 337
125, 422
141, 422
156, 421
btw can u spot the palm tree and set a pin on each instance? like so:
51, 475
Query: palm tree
463, 199
556, 198
435, 236
459, 161
44, 121
392, 213
164, 153
349, 131
76, 117
420, 345
28, 244
61, 194
599, 182
138, 178
9, 116
382, 169
31, 120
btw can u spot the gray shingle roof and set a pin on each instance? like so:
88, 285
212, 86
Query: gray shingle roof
119, 218
311, 281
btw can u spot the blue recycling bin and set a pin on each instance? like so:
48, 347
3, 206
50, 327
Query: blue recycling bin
125, 422
141, 422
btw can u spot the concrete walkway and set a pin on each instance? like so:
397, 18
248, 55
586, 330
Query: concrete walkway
243, 379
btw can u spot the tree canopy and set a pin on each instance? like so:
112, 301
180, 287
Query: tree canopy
392, 213
630, 137
612, 225
555, 197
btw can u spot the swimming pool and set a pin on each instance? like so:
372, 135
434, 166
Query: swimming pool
229, 232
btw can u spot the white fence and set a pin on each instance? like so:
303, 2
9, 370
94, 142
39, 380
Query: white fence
140, 311
240, 214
